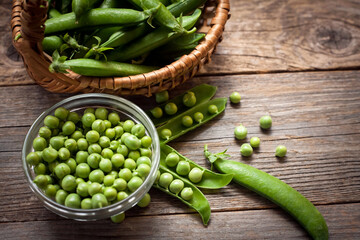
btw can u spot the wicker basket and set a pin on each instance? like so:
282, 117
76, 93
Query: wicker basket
27, 23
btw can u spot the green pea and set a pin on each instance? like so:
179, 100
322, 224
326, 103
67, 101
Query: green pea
92, 136
99, 200
176, 186
86, 203
280, 151
110, 133
114, 145
165, 180
156, 112
89, 110
50, 191
124, 136
61, 196
61, 113
122, 149
122, 195
198, 117
107, 153
265, 122
235, 97
120, 184
189, 99
45, 132
49, 154
255, 142
118, 218
88, 119
82, 189
64, 154
146, 141
94, 188
77, 135
125, 174
132, 142
81, 157
128, 124
105, 165
114, 173
171, 108
212, 109
172, 159
109, 180
187, 193
39, 143
138, 130
165, 133
52, 166
41, 181
240, 132
114, 118
134, 154
79, 180
51, 122
68, 183
73, 117
143, 160
157, 177
143, 170
68, 128
183, 168
187, 121
246, 150
146, 152
161, 97
145, 201
57, 142
71, 145
82, 144
33, 158
62, 170
83, 170
119, 131
94, 148
130, 164
195, 175
72, 164
134, 183
96, 175
104, 141
117, 160
101, 113
98, 126
40, 169
110, 193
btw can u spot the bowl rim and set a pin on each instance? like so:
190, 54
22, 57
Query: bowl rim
112, 209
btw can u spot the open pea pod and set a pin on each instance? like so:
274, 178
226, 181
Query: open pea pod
203, 93
209, 180
198, 200
175, 125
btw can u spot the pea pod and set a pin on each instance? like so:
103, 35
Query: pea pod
80, 7
175, 124
163, 17
275, 190
54, 13
183, 7
153, 40
203, 93
210, 179
97, 17
182, 43
198, 201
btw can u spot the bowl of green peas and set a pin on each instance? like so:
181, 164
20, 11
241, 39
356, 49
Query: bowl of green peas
91, 156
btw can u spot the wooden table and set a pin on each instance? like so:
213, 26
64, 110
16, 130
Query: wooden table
297, 60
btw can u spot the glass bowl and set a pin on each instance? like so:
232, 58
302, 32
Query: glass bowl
126, 110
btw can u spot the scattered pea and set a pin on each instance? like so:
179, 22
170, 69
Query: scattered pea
235, 97
240, 132
118, 218
265, 122
255, 142
280, 151
246, 150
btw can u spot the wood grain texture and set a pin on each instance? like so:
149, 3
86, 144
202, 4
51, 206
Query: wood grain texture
261, 36
258, 224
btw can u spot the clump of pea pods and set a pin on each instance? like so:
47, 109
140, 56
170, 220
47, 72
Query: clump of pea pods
90, 159
119, 38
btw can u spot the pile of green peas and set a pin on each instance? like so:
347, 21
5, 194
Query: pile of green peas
90, 161
183, 168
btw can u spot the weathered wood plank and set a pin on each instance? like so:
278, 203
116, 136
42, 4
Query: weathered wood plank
261, 36
343, 222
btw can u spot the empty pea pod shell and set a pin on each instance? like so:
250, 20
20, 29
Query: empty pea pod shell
198, 201
203, 93
177, 128
210, 179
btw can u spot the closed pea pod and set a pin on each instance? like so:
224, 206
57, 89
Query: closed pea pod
209, 179
198, 200
275, 190
176, 126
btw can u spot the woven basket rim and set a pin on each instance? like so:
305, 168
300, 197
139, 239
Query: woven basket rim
146, 84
